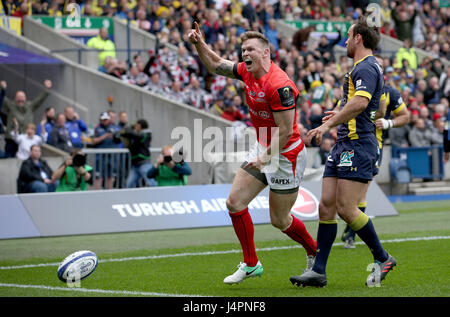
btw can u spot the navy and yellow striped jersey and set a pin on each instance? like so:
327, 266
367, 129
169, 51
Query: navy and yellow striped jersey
394, 103
365, 79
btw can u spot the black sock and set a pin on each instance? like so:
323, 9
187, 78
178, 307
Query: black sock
326, 235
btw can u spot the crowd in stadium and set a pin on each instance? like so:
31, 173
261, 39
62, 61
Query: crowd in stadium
178, 74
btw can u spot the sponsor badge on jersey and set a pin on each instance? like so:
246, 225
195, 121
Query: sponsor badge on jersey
286, 95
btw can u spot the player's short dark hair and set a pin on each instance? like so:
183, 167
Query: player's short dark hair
254, 35
143, 123
369, 34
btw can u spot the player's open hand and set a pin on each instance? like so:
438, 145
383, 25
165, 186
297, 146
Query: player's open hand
195, 35
329, 114
318, 133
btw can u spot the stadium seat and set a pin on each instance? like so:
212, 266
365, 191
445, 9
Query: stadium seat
400, 172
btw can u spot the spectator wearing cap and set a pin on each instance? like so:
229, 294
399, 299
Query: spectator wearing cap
389, 74
104, 138
396, 82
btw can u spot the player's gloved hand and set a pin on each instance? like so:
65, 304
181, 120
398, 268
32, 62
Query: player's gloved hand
387, 124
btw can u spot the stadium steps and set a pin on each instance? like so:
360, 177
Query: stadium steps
427, 188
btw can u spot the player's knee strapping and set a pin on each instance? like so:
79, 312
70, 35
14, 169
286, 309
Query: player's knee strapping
359, 222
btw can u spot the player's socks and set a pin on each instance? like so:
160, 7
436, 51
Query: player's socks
297, 232
363, 226
351, 233
243, 226
326, 234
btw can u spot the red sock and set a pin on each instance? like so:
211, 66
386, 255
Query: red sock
243, 226
297, 232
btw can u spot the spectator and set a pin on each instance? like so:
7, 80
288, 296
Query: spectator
103, 139
404, 16
49, 119
212, 27
432, 94
175, 93
387, 29
60, 137
399, 136
103, 44
321, 157
74, 174
437, 130
232, 113
75, 126
136, 77
35, 174
407, 52
167, 172
325, 48
420, 135
197, 96
23, 111
26, 140
301, 36
313, 75
139, 140
2, 96
155, 85
271, 33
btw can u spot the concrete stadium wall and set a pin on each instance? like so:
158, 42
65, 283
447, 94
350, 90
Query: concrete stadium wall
140, 41
53, 40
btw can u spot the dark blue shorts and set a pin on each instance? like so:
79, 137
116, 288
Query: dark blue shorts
353, 159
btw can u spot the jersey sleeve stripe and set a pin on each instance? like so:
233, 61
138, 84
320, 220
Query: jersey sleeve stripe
399, 108
363, 94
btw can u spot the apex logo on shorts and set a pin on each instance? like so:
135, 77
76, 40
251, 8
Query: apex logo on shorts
281, 181
306, 204
346, 158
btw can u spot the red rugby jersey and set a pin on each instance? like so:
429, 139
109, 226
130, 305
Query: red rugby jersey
272, 92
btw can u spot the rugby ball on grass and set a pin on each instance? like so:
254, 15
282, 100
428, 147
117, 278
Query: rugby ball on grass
77, 266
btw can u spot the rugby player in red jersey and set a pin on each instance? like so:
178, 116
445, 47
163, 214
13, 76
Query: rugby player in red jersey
278, 158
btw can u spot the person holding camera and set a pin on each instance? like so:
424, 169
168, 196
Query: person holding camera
138, 142
169, 172
74, 174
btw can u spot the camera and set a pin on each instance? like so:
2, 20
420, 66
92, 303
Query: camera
167, 158
79, 160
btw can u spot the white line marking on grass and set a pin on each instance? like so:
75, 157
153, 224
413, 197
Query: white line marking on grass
99, 291
164, 256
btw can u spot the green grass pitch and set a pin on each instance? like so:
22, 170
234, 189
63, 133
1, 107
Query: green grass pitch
194, 262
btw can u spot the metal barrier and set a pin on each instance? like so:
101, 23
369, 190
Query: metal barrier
110, 166
423, 162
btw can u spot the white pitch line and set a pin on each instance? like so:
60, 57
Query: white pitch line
100, 291
164, 256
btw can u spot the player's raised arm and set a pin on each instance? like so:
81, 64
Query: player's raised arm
213, 62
